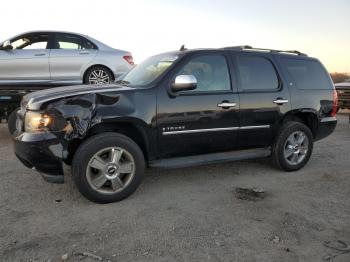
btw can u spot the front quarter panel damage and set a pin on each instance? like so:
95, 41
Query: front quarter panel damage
74, 116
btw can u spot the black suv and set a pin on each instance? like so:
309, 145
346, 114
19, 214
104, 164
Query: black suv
178, 109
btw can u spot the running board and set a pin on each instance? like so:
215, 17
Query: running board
213, 158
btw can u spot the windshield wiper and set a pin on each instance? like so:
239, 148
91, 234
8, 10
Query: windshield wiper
122, 82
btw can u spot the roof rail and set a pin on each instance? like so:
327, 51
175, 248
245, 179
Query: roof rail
247, 47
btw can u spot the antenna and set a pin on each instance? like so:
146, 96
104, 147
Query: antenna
183, 48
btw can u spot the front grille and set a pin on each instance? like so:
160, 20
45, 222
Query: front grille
343, 97
20, 119
24, 103
19, 125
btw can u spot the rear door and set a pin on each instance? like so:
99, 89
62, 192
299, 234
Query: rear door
28, 61
197, 121
68, 56
264, 98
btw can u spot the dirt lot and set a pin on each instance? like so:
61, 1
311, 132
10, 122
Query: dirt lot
183, 215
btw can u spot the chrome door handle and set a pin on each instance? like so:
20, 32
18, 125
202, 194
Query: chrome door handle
227, 104
40, 54
281, 101
84, 53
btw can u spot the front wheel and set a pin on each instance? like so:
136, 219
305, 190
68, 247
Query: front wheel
108, 167
293, 146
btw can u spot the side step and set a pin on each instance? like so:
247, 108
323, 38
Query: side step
213, 158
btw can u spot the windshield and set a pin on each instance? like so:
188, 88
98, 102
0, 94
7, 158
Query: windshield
149, 70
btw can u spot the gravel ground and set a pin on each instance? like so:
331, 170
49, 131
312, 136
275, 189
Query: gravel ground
189, 214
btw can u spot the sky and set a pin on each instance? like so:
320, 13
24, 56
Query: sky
318, 28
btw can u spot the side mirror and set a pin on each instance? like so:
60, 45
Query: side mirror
6, 45
184, 82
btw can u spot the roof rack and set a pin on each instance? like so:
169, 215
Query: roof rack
248, 47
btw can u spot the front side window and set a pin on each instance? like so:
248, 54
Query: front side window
211, 72
31, 41
257, 73
69, 41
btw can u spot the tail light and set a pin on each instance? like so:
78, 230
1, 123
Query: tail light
129, 59
335, 103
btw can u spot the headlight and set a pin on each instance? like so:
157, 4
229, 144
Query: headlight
37, 122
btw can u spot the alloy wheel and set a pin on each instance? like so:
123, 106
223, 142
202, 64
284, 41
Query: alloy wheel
296, 148
99, 77
110, 170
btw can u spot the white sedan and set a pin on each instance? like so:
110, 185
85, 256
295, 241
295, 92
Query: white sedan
60, 58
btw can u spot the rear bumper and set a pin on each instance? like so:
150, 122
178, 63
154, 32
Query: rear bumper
326, 127
42, 152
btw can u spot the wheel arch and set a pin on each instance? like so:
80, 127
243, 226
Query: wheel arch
305, 116
135, 131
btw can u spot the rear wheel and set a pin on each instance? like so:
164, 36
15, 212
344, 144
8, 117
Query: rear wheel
98, 75
293, 146
108, 167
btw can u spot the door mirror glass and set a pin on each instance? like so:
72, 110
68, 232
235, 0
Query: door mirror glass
6, 45
184, 82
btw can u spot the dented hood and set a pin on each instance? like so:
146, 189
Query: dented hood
34, 101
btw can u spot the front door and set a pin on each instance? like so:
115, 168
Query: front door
203, 120
264, 99
27, 62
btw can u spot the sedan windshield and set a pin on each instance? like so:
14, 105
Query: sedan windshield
148, 71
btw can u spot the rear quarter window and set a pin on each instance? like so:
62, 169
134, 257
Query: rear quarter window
307, 74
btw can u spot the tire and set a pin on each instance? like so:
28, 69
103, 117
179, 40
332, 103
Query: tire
98, 75
292, 131
89, 171
11, 121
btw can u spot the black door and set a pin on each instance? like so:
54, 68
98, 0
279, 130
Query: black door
202, 120
264, 99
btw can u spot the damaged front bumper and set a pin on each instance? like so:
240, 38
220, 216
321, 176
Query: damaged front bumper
42, 152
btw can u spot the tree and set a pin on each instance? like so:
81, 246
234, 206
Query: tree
340, 77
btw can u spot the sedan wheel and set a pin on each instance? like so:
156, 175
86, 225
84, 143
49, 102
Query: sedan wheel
99, 77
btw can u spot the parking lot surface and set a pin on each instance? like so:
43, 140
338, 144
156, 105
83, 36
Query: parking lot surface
188, 214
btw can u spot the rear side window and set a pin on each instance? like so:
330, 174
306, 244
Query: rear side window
69, 41
307, 74
257, 73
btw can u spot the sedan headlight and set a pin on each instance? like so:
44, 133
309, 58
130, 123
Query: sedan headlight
37, 122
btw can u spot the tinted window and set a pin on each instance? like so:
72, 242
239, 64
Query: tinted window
69, 41
211, 72
31, 41
307, 74
256, 73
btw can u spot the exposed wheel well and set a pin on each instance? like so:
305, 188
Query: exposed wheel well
126, 129
307, 118
98, 65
